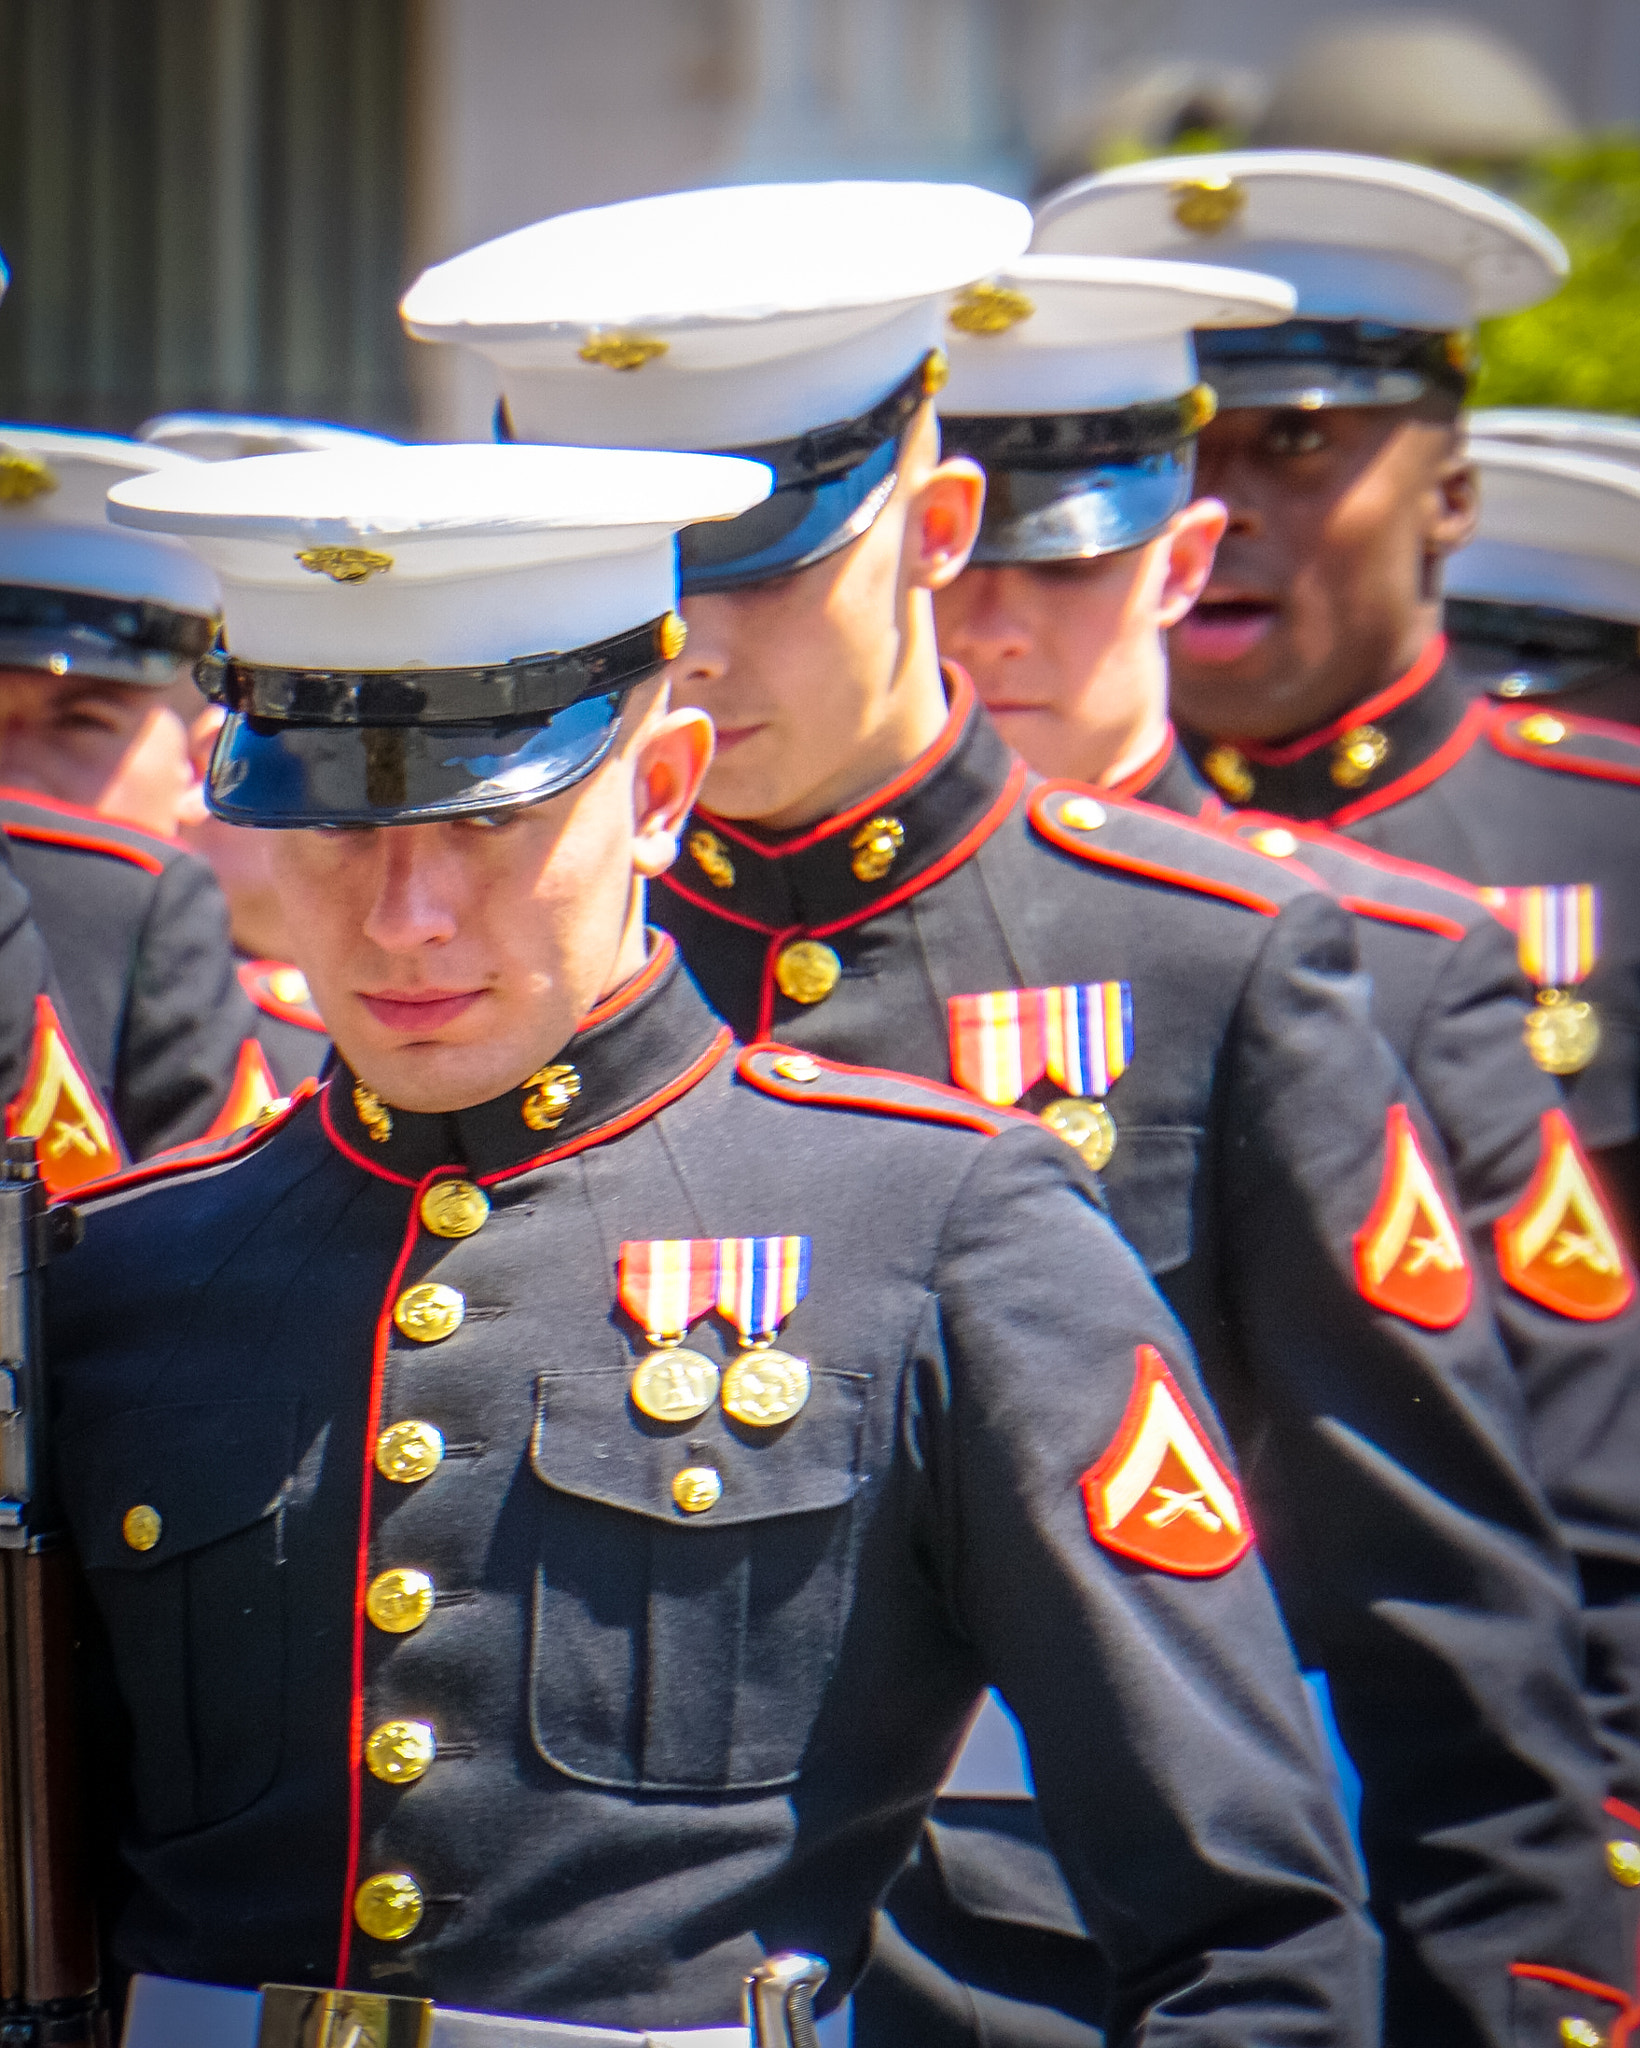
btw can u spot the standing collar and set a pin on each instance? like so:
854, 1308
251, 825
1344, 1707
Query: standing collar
1170, 781
638, 1050
890, 844
1372, 755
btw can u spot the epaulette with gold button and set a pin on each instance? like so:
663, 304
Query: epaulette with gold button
1109, 833
206, 1151
831, 1084
1576, 746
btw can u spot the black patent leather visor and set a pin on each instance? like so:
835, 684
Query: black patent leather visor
273, 772
829, 486
1316, 364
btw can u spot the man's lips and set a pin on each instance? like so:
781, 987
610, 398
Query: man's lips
422, 1012
732, 735
1223, 630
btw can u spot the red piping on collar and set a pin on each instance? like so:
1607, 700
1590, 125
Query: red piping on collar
1619, 1809
1567, 764
1127, 863
1590, 1987
959, 704
197, 1152
712, 909
629, 991
361, 1571
640, 1112
1390, 699
680, 1084
1446, 755
913, 885
1133, 783
963, 1111
84, 842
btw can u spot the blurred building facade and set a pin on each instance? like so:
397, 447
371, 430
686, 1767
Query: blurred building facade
216, 202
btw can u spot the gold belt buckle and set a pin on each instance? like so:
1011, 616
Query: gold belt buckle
294, 2016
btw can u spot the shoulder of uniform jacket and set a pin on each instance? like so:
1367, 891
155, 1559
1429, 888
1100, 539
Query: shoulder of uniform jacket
1128, 837
794, 1076
1367, 882
203, 1153
279, 990
43, 821
1593, 747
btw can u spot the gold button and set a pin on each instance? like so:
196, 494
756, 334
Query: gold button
1578, 2033
807, 971
1623, 1861
288, 985
454, 1208
389, 1905
409, 1451
1542, 729
400, 1752
429, 1313
1357, 755
797, 1066
1226, 768
697, 1488
875, 847
1276, 841
141, 1527
399, 1600
1082, 813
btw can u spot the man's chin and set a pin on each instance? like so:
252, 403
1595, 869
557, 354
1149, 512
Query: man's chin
431, 1078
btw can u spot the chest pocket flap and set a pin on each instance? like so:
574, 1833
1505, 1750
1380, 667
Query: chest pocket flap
174, 1511
678, 1651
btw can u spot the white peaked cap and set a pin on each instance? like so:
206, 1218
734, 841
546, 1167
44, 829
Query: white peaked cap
1603, 434
226, 436
755, 312
1359, 237
54, 530
1067, 334
437, 556
1555, 529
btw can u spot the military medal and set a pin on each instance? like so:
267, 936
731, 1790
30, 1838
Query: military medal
1557, 928
760, 1281
1080, 1037
665, 1285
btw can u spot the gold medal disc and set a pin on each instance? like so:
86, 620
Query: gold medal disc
1562, 1032
674, 1385
1087, 1127
763, 1387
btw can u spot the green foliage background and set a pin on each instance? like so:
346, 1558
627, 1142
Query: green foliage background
1582, 347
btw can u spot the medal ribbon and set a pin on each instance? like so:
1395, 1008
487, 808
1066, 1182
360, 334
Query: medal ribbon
1557, 928
667, 1283
760, 1281
1002, 1043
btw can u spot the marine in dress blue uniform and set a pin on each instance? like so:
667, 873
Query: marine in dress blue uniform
136, 928
1268, 1164
590, 1593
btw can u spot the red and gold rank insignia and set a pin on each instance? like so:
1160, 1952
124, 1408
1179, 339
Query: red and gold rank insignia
59, 1104
1409, 1254
1557, 1245
1160, 1493
254, 1090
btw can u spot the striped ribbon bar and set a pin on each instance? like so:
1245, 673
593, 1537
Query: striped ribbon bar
760, 1281
667, 1283
1557, 928
1003, 1042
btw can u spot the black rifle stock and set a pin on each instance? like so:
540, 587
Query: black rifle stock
48, 1941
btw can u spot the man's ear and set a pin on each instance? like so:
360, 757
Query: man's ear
203, 728
942, 523
667, 772
1193, 538
1455, 501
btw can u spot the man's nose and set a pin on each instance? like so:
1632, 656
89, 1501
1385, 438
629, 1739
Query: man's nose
417, 895
980, 623
705, 657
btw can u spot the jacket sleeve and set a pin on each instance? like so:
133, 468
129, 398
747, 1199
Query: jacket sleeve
1582, 1390
1414, 1554
186, 1015
1175, 1762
